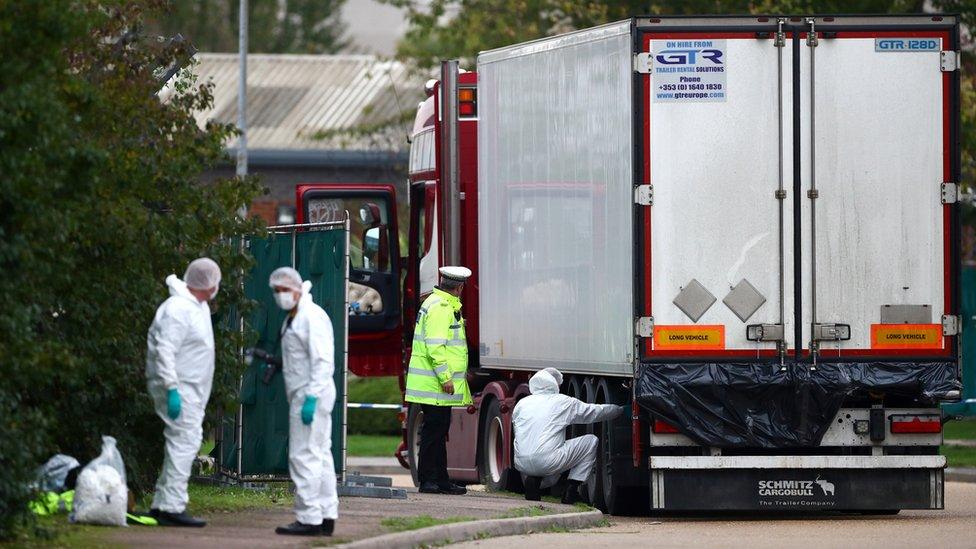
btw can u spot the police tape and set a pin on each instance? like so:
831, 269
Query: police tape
368, 406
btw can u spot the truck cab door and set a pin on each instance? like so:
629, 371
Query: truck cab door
375, 315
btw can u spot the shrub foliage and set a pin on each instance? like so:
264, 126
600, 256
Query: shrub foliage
99, 201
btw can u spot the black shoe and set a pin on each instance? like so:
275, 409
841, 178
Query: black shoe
452, 489
572, 493
300, 529
176, 519
429, 488
532, 490
328, 525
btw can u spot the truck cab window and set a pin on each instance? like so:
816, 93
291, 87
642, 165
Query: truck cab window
370, 247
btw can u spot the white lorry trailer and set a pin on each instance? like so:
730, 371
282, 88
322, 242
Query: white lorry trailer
747, 228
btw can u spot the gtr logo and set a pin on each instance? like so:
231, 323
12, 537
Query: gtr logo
689, 57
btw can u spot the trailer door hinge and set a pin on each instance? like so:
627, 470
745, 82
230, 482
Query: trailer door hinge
642, 62
644, 326
644, 195
950, 193
951, 325
949, 60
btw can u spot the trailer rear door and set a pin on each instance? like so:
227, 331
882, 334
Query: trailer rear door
876, 230
716, 113
797, 194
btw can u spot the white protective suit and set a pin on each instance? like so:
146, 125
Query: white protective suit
180, 355
307, 348
540, 421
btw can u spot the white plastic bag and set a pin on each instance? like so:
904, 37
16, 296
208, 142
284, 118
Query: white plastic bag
51, 475
101, 495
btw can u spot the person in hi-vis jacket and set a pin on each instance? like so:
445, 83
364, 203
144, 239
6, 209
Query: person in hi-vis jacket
437, 376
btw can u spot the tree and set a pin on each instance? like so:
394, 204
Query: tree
275, 26
99, 201
447, 29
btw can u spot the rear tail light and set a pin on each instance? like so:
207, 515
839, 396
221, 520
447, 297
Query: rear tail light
467, 102
916, 424
663, 427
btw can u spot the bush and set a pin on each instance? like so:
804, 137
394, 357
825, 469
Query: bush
99, 201
375, 390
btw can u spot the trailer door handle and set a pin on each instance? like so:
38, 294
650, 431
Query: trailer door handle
764, 332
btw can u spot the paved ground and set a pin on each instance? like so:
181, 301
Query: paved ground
358, 518
953, 527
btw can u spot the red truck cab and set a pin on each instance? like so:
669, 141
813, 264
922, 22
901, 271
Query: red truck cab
380, 337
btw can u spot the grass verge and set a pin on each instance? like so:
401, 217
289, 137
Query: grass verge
403, 524
530, 511
56, 531
229, 499
962, 429
959, 457
371, 445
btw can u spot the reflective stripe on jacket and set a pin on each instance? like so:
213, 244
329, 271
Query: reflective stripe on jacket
440, 353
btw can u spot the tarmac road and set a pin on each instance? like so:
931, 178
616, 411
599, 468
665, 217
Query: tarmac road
953, 527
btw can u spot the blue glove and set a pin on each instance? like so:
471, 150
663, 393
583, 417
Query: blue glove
173, 404
308, 409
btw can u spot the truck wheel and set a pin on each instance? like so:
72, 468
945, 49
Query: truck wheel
493, 469
574, 388
619, 499
415, 418
594, 485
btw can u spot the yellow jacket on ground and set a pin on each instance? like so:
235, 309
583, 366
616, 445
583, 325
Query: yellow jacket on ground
440, 353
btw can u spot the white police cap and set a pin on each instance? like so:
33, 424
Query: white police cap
459, 274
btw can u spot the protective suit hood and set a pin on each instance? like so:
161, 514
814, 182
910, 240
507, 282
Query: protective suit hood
542, 383
178, 288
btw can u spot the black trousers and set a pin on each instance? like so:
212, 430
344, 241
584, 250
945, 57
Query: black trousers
432, 459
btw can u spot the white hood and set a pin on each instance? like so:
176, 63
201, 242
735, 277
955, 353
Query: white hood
542, 383
177, 288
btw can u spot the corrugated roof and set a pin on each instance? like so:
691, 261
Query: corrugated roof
347, 101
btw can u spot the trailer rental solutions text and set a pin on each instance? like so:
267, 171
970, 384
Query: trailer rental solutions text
688, 70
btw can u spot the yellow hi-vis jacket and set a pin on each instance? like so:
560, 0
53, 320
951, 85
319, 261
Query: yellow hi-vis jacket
440, 353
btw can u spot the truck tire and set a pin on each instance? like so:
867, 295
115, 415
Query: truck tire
594, 485
574, 388
415, 417
495, 473
619, 499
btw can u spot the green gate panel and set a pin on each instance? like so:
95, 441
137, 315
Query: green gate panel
320, 257
968, 345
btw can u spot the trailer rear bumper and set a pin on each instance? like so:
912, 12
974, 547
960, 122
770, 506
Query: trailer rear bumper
797, 483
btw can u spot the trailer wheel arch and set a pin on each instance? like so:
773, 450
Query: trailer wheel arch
495, 427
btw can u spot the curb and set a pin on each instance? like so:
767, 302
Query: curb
462, 531
960, 474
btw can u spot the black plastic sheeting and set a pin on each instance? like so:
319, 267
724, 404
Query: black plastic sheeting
750, 405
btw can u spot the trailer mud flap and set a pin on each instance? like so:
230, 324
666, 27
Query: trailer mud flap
814, 489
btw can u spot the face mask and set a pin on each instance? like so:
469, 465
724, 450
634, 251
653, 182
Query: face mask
285, 300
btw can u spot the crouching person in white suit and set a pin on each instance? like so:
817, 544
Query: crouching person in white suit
542, 452
307, 346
